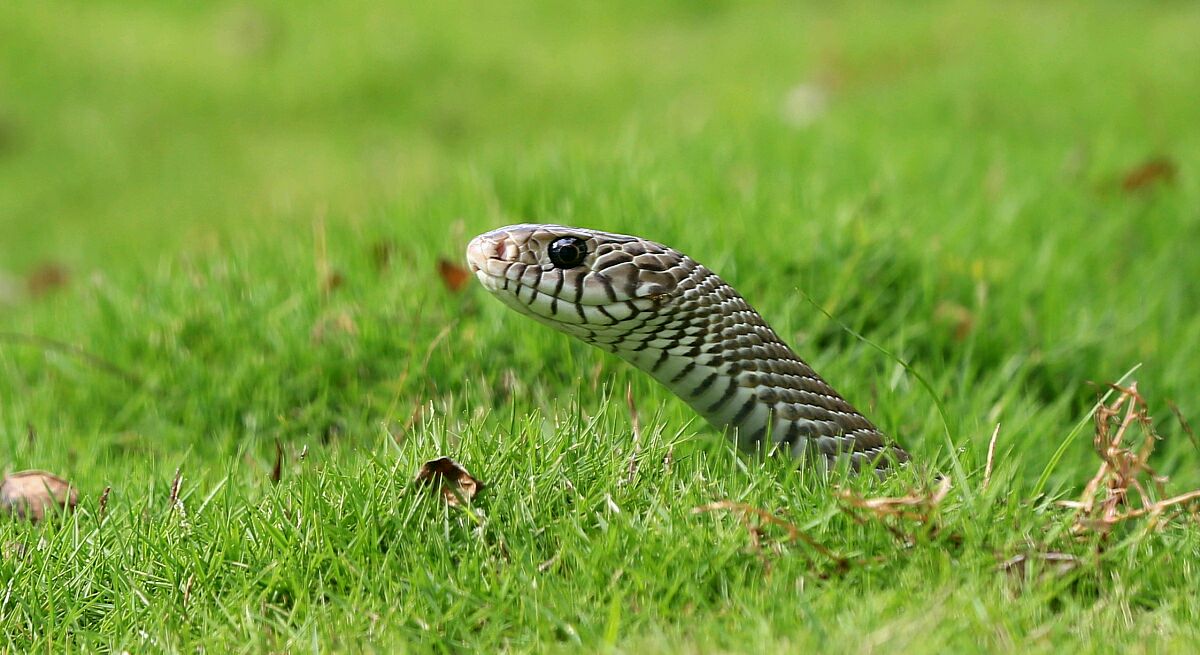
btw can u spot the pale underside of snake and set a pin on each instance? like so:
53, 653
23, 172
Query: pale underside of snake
671, 317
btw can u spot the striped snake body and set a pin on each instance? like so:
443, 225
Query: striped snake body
668, 315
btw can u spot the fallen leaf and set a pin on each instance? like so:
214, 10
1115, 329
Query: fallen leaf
277, 469
382, 252
46, 278
955, 316
455, 482
454, 276
327, 325
333, 281
1151, 172
30, 494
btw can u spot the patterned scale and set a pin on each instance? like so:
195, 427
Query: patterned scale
670, 316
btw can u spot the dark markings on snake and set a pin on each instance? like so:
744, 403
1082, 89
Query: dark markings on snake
557, 290
578, 305
758, 435
793, 433
578, 290
631, 284
662, 359
747, 407
705, 384
691, 366
730, 390
606, 282
688, 328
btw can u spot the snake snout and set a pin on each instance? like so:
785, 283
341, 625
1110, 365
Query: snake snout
481, 249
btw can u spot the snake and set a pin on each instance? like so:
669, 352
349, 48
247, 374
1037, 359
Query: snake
673, 318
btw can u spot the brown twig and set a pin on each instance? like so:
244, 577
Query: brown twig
102, 505
744, 512
96, 361
916, 507
1183, 422
1102, 505
277, 469
175, 485
991, 456
637, 433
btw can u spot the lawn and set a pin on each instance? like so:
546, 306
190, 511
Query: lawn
223, 319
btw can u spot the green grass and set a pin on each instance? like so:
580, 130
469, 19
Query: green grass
957, 201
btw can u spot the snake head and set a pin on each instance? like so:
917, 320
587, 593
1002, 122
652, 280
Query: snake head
573, 278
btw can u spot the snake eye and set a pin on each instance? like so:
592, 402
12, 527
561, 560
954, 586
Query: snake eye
568, 252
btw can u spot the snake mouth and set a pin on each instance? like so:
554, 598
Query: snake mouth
480, 250
489, 260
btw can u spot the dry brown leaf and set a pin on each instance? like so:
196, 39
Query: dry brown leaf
332, 282
46, 278
382, 252
31, 494
955, 316
277, 468
456, 484
1149, 173
455, 277
327, 325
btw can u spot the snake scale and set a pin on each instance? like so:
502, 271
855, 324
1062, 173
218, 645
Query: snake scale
673, 318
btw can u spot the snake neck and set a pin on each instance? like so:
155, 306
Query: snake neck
712, 349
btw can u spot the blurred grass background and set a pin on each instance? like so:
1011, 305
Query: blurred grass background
1004, 195
135, 126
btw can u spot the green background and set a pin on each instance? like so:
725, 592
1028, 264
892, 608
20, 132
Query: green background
951, 180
